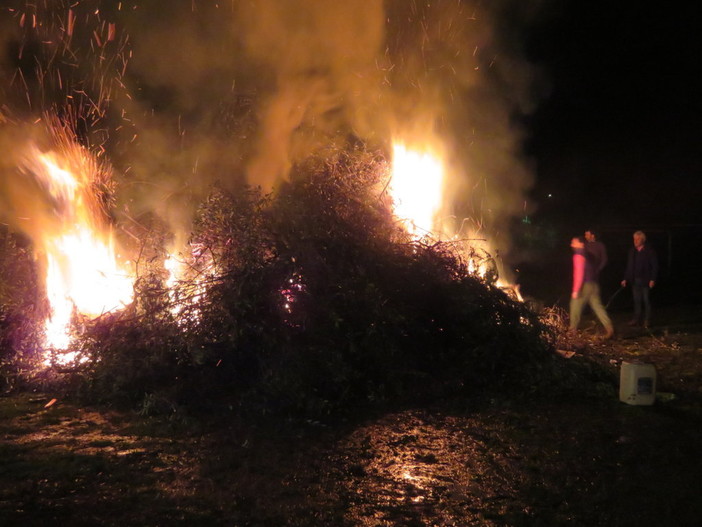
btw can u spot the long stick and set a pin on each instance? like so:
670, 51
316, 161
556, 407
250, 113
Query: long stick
612, 297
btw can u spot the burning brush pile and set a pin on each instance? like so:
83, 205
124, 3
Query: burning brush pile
312, 299
329, 291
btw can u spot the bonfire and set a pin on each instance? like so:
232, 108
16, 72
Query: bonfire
340, 284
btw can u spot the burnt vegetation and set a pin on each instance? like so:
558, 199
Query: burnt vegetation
313, 300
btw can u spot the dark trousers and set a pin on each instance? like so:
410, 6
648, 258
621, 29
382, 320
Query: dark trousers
642, 302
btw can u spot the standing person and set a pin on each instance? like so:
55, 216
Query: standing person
641, 273
597, 250
586, 289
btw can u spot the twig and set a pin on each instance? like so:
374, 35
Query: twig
613, 296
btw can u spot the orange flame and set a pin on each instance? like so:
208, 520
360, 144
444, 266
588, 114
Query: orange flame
187, 279
416, 187
83, 274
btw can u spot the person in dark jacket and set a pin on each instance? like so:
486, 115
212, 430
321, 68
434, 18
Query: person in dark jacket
597, 250
641, 273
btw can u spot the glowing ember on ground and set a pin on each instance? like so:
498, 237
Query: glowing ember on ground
83, 274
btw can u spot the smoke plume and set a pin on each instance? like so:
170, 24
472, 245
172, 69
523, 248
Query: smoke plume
193, 92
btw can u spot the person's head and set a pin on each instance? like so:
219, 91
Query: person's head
577, 242
590, 235
639, 238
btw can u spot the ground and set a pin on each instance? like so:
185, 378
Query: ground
577, 460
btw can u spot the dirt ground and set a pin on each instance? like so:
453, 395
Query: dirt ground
496, 462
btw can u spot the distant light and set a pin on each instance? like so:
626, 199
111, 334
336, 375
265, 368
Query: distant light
550, 195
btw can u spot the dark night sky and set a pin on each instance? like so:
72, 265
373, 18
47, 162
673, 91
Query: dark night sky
616, 137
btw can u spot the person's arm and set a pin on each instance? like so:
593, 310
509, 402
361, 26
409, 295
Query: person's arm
594, 252
578, 274
603, 257
654, 268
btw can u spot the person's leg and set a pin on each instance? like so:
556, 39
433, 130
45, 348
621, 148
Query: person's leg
576, 310
645, 295
638, 299
600, 312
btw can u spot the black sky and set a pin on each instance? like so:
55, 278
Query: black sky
615, 139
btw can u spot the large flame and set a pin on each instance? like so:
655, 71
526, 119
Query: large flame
417, 188
83, 274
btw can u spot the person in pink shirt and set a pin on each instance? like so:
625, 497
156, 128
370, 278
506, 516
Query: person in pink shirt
586, 289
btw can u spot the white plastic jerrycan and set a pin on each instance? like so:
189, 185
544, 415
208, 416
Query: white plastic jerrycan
637, 383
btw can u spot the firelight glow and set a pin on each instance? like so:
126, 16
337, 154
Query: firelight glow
184, 289
416, 186
83, 274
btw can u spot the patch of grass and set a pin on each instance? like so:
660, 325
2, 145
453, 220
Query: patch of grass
20, 405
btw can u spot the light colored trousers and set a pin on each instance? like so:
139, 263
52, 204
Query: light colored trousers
589, 294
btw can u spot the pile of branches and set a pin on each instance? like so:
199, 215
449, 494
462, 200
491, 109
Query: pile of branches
23, 307
311, 300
